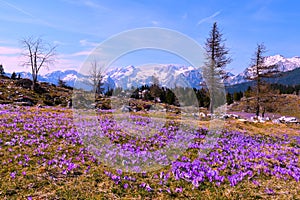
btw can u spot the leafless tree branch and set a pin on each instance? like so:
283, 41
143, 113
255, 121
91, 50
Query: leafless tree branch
38, 54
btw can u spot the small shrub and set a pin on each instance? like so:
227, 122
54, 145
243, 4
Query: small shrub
24, 83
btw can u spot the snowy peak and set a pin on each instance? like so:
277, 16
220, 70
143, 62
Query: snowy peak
167, 75
283, 64
69, 76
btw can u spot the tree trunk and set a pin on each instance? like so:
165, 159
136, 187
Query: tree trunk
34, 81
257, 106
211, 107
33, 86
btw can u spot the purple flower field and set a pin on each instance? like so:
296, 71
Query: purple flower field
45, 156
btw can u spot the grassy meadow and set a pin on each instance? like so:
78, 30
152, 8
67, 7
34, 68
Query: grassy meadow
43, 156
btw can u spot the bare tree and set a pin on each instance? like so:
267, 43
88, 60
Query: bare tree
38, 54
258, 72
214, 69
96, 77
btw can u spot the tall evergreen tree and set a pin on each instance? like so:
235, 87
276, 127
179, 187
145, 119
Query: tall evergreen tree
258, 72
214, 70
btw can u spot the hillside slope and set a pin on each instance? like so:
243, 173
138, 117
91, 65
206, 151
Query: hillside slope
18, 92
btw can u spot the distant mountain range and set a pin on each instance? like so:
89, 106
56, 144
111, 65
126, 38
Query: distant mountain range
173, 75
283, 64
286, 78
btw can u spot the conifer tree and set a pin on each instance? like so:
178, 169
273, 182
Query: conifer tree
214, 70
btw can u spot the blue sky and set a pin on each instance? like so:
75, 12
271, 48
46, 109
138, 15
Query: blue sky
78, 26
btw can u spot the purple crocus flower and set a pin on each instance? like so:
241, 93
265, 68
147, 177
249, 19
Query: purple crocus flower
178, 190
142, 185
125, 185
269, 191
13, 175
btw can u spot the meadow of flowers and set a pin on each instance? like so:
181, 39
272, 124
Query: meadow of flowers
46, 154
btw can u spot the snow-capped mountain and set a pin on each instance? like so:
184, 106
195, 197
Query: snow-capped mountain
283, 64
167, 75
68, 76
130, 76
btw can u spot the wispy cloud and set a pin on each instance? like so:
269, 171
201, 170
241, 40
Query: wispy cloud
17, 8
81, 53
209, 18
85, 42
92, 4
56, 42
9, 50
87, 3
184, 16
155, 23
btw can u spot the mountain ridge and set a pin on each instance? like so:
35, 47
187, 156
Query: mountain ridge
168, 75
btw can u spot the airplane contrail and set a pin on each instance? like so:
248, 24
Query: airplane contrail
208, 18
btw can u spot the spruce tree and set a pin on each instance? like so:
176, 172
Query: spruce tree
214, 70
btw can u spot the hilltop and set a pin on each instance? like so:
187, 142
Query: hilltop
19, 92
